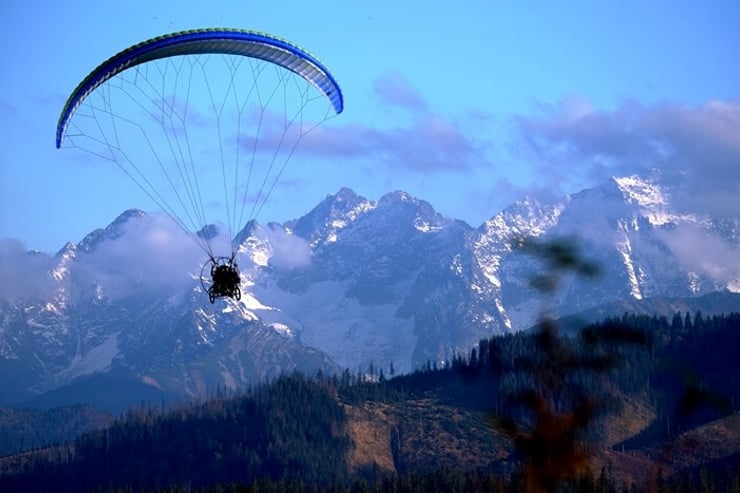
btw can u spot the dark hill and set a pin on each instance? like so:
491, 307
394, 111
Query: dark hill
469, 418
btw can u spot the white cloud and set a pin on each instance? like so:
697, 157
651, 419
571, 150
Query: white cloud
23, 274
697, 148
419, 141
706, 254
428, 143
288, 250
151, 253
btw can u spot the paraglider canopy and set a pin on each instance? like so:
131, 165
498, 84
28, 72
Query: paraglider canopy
204, 41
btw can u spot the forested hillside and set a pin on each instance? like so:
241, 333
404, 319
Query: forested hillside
636, 400
24, 429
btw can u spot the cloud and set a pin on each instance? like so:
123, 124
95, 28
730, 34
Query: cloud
288, 250
154, 254
424, 142
703, 253
429, 143
702, 147
146, 254
393, 89
23, 274
696, 148
151, 253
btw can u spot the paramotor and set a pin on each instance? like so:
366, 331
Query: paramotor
204, 122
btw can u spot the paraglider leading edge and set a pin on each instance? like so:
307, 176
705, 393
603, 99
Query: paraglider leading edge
200, 41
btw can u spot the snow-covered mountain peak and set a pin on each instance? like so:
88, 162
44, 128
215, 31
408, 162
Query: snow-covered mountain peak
361, 281
254, 243
338, 204
68, 251
246, 232
334, 213
528, 215
641, 192
211, 231
63, 257
652, 200
404, 199
394, 197
400, 202
345, 194
111, 232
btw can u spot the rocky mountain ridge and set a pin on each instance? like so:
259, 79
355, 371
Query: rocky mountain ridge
352, 283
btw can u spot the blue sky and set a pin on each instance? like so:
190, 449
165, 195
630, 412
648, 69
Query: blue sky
468, 105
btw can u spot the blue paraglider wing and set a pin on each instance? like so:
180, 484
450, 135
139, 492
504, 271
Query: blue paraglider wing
225, 41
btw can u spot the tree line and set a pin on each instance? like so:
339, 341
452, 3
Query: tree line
292, 434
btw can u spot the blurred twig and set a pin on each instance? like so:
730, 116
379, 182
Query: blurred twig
552, 448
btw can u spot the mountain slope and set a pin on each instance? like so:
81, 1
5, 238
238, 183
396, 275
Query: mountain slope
352, 284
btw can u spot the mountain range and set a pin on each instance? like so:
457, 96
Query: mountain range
354, 284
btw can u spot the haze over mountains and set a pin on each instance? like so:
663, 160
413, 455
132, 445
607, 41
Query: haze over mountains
353, 283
